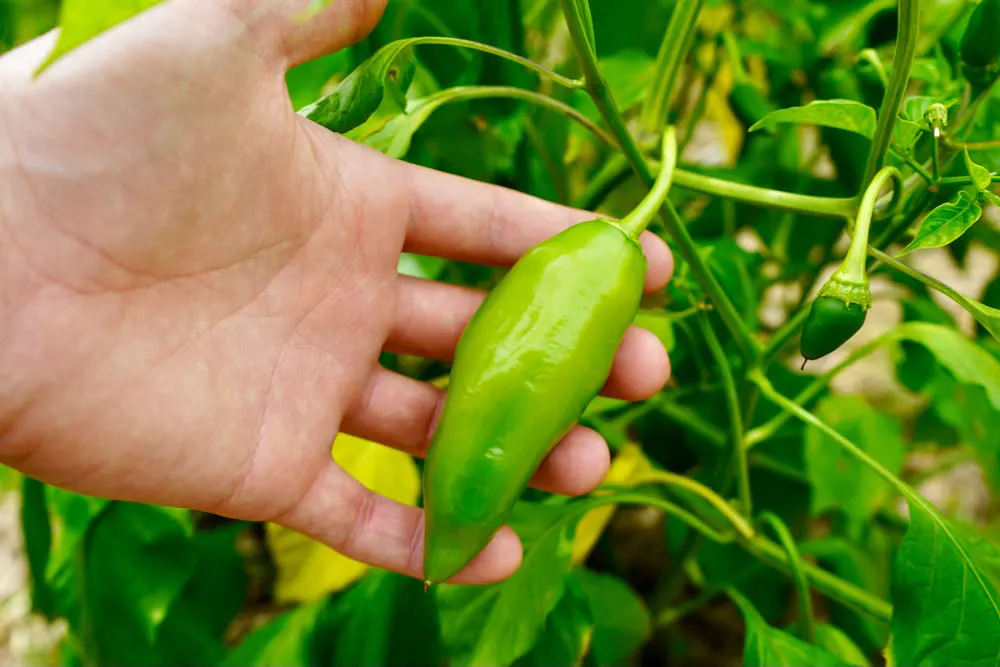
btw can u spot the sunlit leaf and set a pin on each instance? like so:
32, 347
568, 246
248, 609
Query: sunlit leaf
381, 79
82, 20
840, 114
946, 608
905, 134
981, 176
766, 646
307, 569
496, 624
839, 482
946, 223
967, 362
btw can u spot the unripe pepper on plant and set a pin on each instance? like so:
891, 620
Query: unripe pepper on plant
840, 309
747, 101
979, 48
534, 355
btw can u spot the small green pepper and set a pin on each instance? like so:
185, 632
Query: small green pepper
832, 322
748, 102
841, 307
534, 355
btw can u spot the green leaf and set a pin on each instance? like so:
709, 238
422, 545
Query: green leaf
70, 516
10, 479
766, 646
840, 114
968, 362
905, 134
945, 223
82, 20
567, 631
945, 601
497, 624
295, 639
838, 480
981, 176
386, 620
967, 409
836, 642
195, 627
863, 566
420, 266
616, 635
382, 78
137, 562
37, 534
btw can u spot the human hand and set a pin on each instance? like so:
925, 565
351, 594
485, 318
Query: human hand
196, 283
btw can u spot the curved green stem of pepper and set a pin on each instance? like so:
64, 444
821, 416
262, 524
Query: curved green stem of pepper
853, 270
827, 207
615, 171
461, 93
639, 218
738, 461
908, 29
598, 89
787, 542
507, 55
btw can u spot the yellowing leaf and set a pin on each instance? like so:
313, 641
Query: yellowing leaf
630, 465
307, 569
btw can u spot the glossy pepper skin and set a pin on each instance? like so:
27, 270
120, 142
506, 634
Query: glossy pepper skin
534, 355
832, 321
980, 46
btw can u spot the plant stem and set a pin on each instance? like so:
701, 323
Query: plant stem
907, 32
513, 57
827, 207
798, 572
830, 585
738, 460
692, 421
673, 50
598, 89
854, 266
640, 217
614, 170
462, 93
953, 180
930, 281
613, 173
917, 167
981, 145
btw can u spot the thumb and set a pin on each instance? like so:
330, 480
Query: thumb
301, 32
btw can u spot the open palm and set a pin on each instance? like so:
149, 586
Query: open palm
196, 283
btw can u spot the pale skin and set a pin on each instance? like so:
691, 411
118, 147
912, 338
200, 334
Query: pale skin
196, 283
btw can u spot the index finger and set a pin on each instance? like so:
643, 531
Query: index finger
465, 220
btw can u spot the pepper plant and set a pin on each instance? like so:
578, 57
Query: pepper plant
832, 159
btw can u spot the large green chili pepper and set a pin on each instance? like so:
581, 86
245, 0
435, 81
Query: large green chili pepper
841, 307
534, 355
